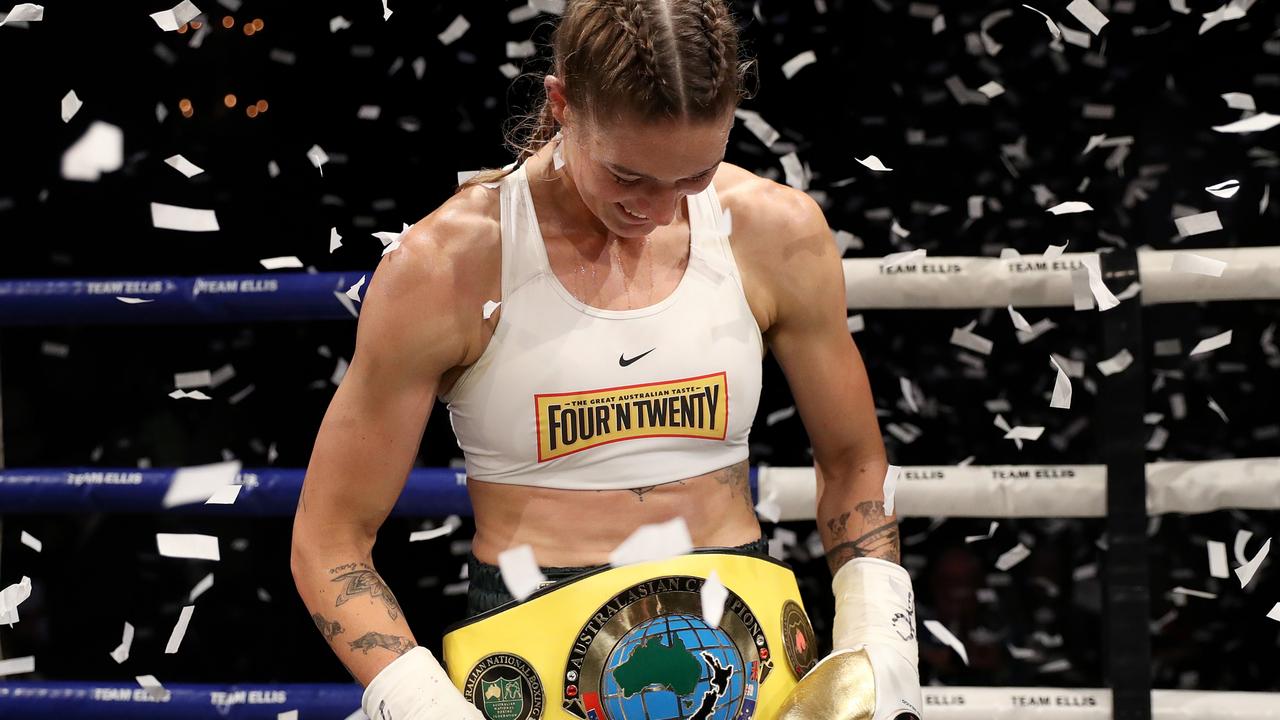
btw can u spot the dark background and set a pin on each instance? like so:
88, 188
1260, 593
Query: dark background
878, 88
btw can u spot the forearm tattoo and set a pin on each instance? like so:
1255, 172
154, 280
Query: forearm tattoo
363, 580
328, 629
397, 644
880, 542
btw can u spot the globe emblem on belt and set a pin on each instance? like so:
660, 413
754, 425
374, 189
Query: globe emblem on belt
675, 667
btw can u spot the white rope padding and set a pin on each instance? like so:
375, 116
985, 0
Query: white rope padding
1032, 281
1059, 491
1046, 703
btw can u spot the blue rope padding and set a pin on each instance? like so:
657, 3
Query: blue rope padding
201, 299
128, 701
429, 492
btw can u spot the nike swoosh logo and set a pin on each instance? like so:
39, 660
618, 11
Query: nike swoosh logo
624, 362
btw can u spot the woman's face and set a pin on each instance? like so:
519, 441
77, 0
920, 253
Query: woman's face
627, 170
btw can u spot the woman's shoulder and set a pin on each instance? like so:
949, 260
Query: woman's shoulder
464, 232
765, 214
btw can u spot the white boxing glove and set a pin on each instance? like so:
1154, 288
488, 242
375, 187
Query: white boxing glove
875, 612
415, 687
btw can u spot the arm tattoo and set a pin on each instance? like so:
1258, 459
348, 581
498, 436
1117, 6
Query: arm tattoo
880, 542
397, 644
329, 630
366, 582
738, 479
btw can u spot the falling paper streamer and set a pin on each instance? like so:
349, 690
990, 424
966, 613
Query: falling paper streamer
30, 541
1194, 593
121, 653
175, 217
1054, 252
797, 63
70, 106
855, 323
18, 665
769, 508
1022, 432
1241, 542
181, 14
318, 158
1198, 264
182, 394
1257, 123
1075, 37
944, 636
1053, 27
899, 258
193, 546
778, 416
489, 308
966, 338
520, 571
1088, 15
1246, 572
277, 263
1061, 388
990, 533
224, 495
1116, 364
890, 487
794, 170
1101, 294
335, 240
197, 483
353, 292
1019, 322
1214, 406
1239, 101
873, 163
450, 524
11, 597
183, 165
1224, 189
991, 89
456, 29
908, 394
179, 630
153, 687
99, 150
386, 11
287, 715
1216, 342
758, 126
726, 222
1040, 328
205, 583
653, 542
1266, 196
1011, 557
1198, 224
1066, 208
24, 12
714, 596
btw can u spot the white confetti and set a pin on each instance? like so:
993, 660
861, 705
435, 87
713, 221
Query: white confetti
978, 538
353, 292
714, 596
182, 394
386, 11
1246, 572
277, 263
1194, 593
1198, 264
225, 495
890, 488
518, 50
337, 23
1241, 542
1275, 613
1224, 189
778, 416
121, 653
855, 323
18, 665
451, 523
758, 126
1061, 388
335, 240
944, 636
520, 571
197, 483
318, 158
1101, 294
1239, 101
1218, 559
30, 541
1116, 364
1074, 206
24, 12
456, 29
193, 546
489, 308
798, 63
183, 165
1019, 322
1088, 15
1257, 123
287, 715
1214, 406
653, 542
966, 338
179, 630
1022, 432
153, 687
11, 597
873, 163
1036, 331
1210, 344
1011, 557
175, 217
794, 170
900, 258
909, 394
181, 14
991, 89
1053, 27
70, 106
1053, 252
205, 583
1198, 224
1266, 196
99, 150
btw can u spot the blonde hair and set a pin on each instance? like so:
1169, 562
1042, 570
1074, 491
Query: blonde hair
644, 60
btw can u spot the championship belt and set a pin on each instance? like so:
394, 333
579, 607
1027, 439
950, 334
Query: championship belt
630, 643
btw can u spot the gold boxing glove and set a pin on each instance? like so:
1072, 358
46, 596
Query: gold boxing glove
843, 687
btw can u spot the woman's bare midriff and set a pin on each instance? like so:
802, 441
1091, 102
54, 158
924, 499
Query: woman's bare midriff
577, 528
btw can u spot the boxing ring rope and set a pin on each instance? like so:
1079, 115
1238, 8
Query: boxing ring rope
916, 283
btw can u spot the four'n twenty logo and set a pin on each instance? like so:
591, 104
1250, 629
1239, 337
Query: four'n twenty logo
571, 422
